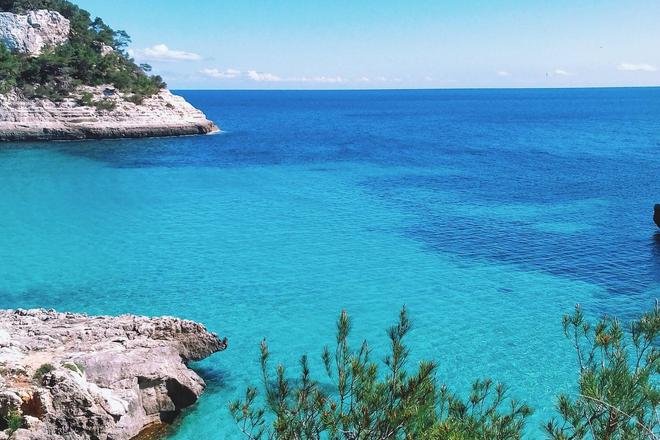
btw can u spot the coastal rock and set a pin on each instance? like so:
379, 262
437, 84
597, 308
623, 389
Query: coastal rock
163, 114
656, 215
31, 33
78, 377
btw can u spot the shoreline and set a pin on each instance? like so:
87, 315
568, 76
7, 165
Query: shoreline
128, 375
19, 134
41, 120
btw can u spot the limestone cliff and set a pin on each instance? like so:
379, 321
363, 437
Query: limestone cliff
106, 113
163, 114
30, 33
78, 377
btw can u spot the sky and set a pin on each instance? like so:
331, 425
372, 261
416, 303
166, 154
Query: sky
357, 44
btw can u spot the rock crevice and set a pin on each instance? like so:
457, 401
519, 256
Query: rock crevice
78, 377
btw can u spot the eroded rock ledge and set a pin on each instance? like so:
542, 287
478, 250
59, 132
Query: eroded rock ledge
164, 114
75, 377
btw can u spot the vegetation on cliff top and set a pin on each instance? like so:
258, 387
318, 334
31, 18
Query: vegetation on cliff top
616, 397
80, 61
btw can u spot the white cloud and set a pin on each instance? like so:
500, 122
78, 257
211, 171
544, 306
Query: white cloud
561, 72
261, 76
161, 52
641, 67
319, 79
221, 74
255, 75
269, 77
503, 73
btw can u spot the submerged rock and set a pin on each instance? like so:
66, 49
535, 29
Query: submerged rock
656, 215
75, 377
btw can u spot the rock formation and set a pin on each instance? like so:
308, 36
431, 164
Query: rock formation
75, 377
163, 114
656, 215
24, 119
30, 33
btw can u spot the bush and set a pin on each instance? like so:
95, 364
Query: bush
617, 393
86, 99
42, 371
136, 98
75, 367
366, 404
14, 421
105, 104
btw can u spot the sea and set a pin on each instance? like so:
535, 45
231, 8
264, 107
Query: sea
489, 214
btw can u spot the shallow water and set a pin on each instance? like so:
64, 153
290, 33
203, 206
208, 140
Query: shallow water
488, 213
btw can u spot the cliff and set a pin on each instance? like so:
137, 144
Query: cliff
47, 104
163, 114
77, 377
31, 32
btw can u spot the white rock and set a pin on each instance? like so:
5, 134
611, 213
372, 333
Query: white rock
163, 114
120, 389
32, 32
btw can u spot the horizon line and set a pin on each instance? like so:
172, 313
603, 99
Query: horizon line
407, 89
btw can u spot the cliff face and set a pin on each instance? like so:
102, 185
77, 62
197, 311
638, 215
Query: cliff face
23, 119
109, 377
164, 114
30, 33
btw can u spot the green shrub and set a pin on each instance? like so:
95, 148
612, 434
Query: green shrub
14, 421
105, 104
57, 72
43, 370
367, 404
75, 367
618, 393
136, 98
86, 99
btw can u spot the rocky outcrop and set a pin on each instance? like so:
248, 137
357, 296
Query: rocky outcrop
164, 114
656, 215
33, 119
75, 377
32, 32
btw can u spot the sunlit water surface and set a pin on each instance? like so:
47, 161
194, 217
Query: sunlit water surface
488, 213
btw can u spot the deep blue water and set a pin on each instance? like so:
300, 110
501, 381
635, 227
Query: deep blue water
489, 213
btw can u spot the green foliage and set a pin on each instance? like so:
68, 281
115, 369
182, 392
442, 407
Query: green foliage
9, 69
617, 395
369, 404
58, 71
86, 99
43, 370
105, 104
75, 367
480, 417
136, 98
14, 421
618, 392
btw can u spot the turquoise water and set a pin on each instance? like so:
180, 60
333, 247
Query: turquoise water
488, 213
